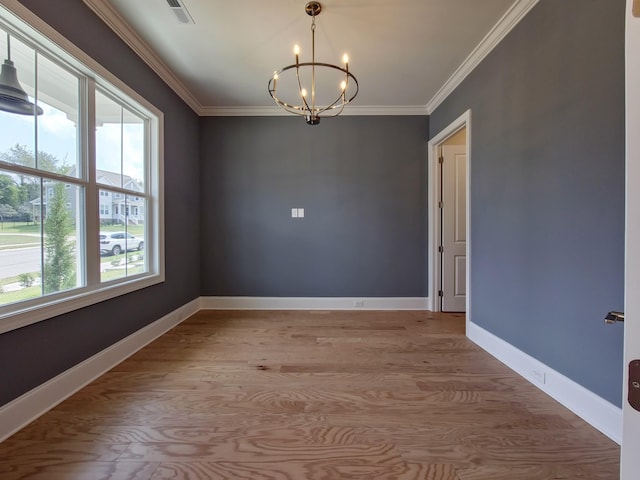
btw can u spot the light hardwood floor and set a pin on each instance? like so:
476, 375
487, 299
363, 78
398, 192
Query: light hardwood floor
310, 395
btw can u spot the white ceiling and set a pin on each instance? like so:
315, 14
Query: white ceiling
401, 51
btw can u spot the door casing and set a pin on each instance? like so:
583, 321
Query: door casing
463, 121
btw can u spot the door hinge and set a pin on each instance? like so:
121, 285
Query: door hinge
440, 204
440, 293
440, 249
440, 160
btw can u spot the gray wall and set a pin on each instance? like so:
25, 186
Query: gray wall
362, 183
34, 354
547, 188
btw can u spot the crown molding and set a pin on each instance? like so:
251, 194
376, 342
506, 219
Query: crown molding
275, 111
386, 110
121, 28
113, 20
509, 20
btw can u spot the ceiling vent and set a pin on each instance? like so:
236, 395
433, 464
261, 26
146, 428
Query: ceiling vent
180, 11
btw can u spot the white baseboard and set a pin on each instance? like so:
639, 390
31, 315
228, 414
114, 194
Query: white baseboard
592, 408
26, 408
315, 303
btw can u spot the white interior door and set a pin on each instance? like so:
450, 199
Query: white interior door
454, 228
630, 461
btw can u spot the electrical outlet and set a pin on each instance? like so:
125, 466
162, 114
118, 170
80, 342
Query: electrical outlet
358, 303
539, 376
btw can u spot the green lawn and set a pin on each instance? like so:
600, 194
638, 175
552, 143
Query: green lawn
20, 295
30, 227
8, 280
133, 229
19, 227
9, 240
113, 274
35, 291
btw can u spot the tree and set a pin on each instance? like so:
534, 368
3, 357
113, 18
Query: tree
26, 279
59, 263
29, 187
21, 155
10, 193
24, 214
7, 212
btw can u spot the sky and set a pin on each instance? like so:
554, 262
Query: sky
57, 136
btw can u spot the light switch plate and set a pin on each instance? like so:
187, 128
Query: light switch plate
294, 213
301, 213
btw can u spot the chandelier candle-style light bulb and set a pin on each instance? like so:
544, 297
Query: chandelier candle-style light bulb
321, 103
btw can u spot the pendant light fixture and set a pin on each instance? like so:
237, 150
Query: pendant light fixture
13, 98
304, 73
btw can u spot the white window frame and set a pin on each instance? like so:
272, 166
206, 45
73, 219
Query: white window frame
22, 23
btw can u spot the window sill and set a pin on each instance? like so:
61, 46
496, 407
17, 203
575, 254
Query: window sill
61, 303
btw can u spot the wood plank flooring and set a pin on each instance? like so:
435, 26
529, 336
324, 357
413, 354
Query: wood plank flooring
265, 395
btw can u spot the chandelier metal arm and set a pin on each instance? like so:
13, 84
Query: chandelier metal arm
304, 100
349, 75
332, 107
313, 62
315, 113
342, 97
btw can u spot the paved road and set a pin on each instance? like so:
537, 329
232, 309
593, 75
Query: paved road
19, 260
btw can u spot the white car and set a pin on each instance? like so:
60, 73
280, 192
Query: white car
114, 243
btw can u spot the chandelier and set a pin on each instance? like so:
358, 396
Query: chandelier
314, 104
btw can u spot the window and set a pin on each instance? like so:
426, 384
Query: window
80, 184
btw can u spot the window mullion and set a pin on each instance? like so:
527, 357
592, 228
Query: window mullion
92, 217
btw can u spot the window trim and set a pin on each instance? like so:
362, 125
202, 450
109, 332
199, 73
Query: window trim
21, 21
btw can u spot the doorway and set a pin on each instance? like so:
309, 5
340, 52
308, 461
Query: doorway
449, 217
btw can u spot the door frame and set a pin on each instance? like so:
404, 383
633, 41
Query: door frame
463, 121
629, 462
